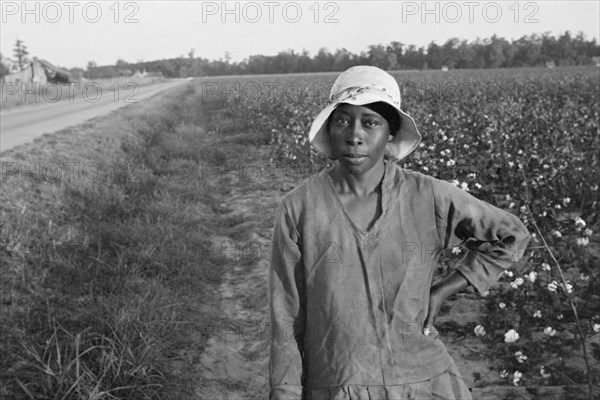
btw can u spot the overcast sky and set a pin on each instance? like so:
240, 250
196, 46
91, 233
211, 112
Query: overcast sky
70, 33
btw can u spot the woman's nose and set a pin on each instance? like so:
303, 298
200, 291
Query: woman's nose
353, 141
354, 137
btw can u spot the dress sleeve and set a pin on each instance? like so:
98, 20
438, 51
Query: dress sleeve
287, 310
495, 239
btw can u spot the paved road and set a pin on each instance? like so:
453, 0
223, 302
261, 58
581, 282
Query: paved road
22, 125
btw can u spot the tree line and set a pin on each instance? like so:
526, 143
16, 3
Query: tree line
496, 52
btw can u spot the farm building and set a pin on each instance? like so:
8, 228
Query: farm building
11, 65
40, 71
145, 74
139, 74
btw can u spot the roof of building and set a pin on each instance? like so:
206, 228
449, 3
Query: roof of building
53, 67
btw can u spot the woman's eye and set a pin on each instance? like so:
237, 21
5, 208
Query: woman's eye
341, 121
372, 122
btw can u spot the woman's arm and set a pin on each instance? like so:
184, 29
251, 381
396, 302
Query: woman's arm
287, 310
455, 282
495, 240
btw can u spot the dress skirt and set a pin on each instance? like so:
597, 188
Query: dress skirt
447, 386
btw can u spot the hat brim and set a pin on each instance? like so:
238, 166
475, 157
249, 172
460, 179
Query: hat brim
405, 141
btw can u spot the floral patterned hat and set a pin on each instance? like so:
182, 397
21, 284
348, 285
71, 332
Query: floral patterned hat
362, 85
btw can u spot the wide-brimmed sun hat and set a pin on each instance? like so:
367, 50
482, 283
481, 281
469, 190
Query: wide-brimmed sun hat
362, 85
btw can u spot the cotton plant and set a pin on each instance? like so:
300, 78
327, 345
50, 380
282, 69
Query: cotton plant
550, 331
511, 336
520, 356
479, 330
517, 375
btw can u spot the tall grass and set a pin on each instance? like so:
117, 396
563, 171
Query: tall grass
106, 284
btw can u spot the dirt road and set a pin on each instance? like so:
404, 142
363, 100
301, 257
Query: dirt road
22, 125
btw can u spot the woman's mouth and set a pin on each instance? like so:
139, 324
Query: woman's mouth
354, 158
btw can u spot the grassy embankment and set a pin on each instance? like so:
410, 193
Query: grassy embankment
109, 273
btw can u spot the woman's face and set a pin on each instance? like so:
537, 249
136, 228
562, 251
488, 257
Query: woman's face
358, 137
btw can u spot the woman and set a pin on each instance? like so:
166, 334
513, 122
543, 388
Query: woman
354, 252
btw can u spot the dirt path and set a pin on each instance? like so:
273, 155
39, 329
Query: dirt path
234, 363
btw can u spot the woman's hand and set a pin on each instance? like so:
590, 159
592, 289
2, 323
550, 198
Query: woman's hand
455, 282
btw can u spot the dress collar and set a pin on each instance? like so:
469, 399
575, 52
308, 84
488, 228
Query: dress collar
338, 211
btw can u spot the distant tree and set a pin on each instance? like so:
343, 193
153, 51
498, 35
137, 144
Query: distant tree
323, 61
191, 53
378, 56
566, 50
121, 63
395, 51
256, 64
285, 61
550, 48
413, 58
584, 50
465, 55
3, 68
479, 47
21, 53
396, 48
91, 65
167, 67
392, 61
434, 56
510, 52
343, 59
362, 58
495, 52
305, 63
192, 69
529, 51
450, 52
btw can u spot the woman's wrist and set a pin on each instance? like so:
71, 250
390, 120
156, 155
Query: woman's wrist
454, 283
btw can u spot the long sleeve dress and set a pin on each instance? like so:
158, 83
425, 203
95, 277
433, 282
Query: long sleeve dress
347, 306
